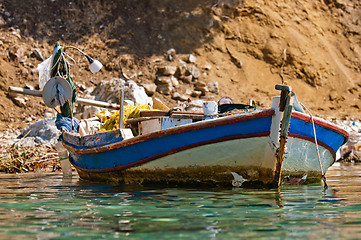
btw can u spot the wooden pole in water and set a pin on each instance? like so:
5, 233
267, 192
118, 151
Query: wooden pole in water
84, 101
286, 107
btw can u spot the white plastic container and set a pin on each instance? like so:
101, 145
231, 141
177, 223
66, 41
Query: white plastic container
210, 109
64, 159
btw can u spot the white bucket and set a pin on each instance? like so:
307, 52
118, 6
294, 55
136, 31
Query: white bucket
210, 109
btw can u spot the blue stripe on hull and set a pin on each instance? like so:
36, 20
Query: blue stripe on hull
137, 152
327, 136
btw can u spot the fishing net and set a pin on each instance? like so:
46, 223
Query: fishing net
110, 121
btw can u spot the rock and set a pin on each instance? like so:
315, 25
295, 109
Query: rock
196, 93
40, 132
167, 70
192, 70
19, 53
181, 71
163, 80
176, 96
110, 91
187, 79
174, 81
24, 73
28, 119
150, 88
183, 97
16, 53
87, 112
19, 101
213, 87
16, 33
192, 59
37, 54
203, 89
171, 53
81, 86
189, 91
207, 67
164, 89
200, 84
28, 86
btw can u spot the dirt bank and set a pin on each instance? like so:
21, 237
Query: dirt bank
240, 44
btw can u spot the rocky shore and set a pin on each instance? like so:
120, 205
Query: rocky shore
178, 51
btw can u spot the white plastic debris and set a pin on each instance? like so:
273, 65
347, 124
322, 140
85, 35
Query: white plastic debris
238, 180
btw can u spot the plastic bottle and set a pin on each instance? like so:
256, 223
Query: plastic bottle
64, 159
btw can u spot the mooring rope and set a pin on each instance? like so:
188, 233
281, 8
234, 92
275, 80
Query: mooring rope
283, 64
316, 142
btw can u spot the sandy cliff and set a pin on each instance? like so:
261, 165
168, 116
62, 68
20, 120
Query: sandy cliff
239, 44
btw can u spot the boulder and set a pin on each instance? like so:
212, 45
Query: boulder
164, 89
167, 70
187, 79
176, 96
150, 89
193, 70
213, 87
37, 54
192, 59
164, 80
171, 53
174, 81
200, 84
203, 89
181, 71
196, 93
110, 91
19, 101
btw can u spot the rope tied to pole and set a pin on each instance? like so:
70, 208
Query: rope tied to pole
316, 143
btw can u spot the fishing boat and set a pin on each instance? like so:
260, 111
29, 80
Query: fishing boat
247, 148
226, 145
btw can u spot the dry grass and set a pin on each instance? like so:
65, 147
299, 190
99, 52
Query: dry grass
16, 159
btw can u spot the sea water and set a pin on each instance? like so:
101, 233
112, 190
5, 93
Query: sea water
48, 206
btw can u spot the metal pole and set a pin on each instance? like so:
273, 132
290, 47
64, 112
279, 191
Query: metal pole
121, 115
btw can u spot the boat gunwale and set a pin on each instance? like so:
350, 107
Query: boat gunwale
321, 122
170, 131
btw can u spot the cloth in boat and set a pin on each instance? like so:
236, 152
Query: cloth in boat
64, 123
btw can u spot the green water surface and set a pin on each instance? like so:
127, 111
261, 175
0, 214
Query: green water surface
48, 206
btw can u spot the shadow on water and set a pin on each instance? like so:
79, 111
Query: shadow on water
144, 27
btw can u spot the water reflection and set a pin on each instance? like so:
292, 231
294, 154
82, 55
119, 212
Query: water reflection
45, 206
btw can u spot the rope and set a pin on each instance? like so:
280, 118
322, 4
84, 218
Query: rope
318, 152
283, 64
